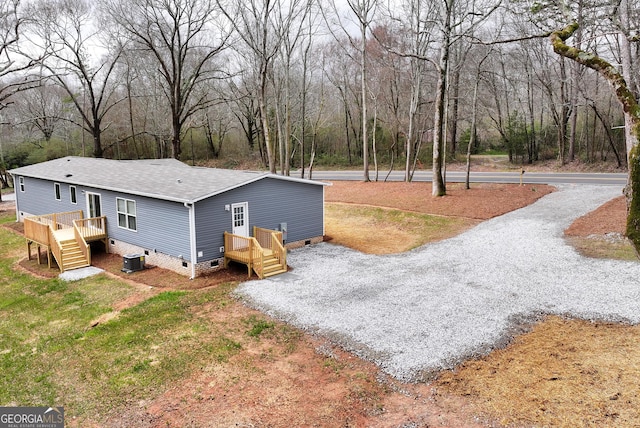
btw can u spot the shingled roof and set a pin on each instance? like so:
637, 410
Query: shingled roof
167, 179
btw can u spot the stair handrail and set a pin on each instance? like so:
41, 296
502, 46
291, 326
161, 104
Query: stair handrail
56, 248
278, 249
84, 247
257, 256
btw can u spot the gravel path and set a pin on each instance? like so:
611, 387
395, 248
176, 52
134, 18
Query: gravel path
431, 308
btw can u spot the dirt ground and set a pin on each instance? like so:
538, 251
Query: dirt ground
562, 373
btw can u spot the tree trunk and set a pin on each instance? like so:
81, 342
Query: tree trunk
176, 149
438, 184
363, 89
453, 133
97, 139
472, 137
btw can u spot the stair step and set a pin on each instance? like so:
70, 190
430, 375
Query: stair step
73, 259
273, 273
273, 268
75, 266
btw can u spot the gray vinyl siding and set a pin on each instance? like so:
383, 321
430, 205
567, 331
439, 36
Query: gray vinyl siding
162, 226
39, 197
271, 202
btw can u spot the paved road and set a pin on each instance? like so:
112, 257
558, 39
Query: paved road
619, 179
433, 307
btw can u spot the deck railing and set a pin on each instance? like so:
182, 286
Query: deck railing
92, 228
246, 250
37, 231
59, 220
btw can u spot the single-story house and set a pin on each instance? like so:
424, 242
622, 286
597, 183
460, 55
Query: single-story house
187, 219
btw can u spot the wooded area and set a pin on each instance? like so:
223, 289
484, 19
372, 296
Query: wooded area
291, 83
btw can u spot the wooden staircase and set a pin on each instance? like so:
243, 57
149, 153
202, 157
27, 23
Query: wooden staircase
72, 256
272, 266
66, 237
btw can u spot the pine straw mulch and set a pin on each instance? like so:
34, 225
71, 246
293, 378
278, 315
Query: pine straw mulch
483, 201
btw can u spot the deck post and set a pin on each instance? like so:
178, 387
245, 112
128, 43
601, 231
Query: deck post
250, 257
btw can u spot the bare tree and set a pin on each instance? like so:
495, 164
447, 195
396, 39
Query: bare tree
14, 64
291, 17
255, 24
184, 41
363, 12
42, 108
68, 31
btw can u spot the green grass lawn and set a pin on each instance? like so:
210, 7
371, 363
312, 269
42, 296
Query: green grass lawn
51, 355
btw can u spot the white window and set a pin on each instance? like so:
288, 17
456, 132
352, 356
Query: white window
72, 194
21, 183
126, 213
56, 187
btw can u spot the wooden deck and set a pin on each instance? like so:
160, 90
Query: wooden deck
263, 253
65, 236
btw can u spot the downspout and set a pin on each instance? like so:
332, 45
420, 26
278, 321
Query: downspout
15, 193
323, 214
192, 237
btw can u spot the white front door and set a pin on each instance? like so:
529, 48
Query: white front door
240, 214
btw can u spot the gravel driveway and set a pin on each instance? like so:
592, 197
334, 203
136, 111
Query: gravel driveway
429, 309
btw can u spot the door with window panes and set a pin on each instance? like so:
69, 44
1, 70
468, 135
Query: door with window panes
94, 208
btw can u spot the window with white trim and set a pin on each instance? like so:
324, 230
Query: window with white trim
21, 183
126, 214
72, 195
56, 188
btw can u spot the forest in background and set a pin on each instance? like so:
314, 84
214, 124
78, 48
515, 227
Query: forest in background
290, 84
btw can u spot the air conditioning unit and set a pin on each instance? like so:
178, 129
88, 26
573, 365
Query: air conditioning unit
132, 263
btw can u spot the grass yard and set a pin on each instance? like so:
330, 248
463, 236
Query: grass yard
52, 351
377, 230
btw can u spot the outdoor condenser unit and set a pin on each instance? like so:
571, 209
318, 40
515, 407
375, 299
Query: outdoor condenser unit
132, 263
